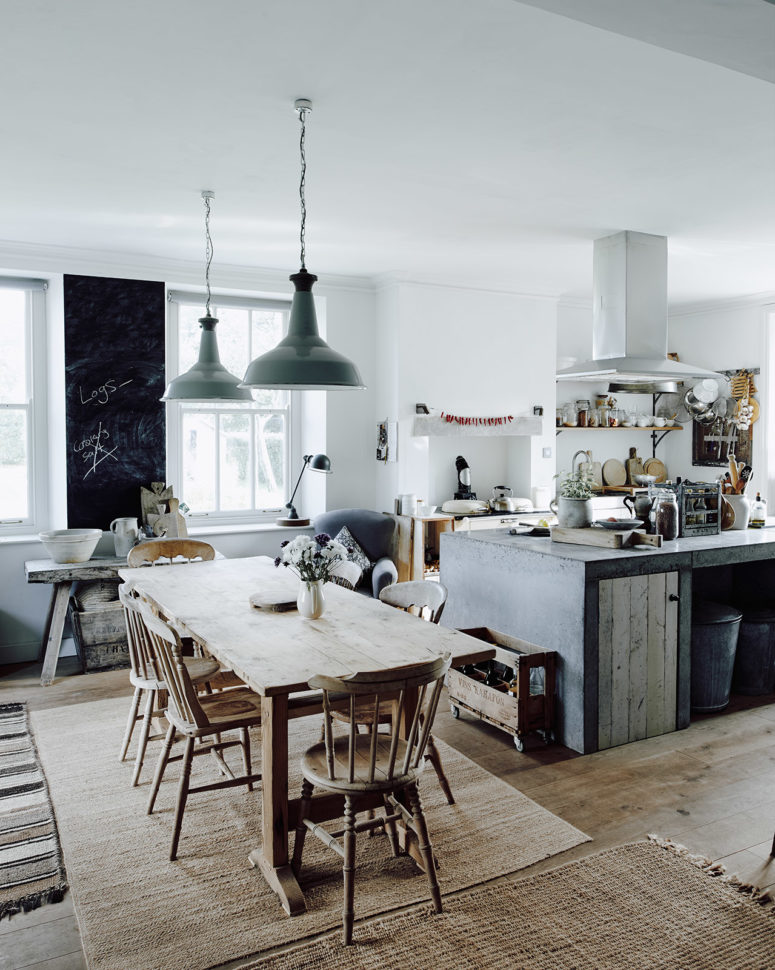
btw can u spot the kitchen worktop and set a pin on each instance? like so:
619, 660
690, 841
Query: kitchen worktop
735, 545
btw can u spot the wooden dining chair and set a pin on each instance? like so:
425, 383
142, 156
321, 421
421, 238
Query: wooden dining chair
362, 766
158, 552
426, 600
146, 678
422, 598
197, 718
347, 574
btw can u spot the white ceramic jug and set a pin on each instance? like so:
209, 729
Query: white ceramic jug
124, 535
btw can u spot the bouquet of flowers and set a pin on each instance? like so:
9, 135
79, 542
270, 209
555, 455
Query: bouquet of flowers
312, 558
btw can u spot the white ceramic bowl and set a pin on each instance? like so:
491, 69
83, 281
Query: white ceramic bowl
70, 545
644, 479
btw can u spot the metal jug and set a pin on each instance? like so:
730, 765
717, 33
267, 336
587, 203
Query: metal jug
639, 506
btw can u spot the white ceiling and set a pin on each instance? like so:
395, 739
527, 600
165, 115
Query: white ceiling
481, 142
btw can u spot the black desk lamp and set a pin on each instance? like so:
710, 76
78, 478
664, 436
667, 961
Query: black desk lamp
318, 463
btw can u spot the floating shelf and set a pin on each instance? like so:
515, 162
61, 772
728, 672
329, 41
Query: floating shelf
619, 427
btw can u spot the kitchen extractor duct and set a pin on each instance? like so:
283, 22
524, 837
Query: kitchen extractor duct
629, 323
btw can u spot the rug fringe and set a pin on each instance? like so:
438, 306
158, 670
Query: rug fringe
715, 869
28, 903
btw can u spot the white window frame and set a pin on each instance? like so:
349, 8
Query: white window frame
175, 410
35, 405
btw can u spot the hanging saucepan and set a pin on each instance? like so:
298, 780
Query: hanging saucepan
700, 397
706, 418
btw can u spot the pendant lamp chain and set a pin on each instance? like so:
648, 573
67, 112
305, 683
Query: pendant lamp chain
206, 196
302, 111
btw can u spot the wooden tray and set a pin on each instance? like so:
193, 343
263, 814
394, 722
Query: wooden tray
606, 538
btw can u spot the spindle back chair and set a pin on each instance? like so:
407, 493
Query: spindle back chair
423, 598
146, 677
196, 717
163, 552
362, 766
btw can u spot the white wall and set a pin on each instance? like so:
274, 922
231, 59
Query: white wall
467, 352
342, 424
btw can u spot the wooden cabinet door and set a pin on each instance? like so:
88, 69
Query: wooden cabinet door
638, 654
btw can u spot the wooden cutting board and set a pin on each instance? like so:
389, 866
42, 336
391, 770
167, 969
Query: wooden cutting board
606, 538
634, 466
614, 472
653, 466
593, 470
277, 595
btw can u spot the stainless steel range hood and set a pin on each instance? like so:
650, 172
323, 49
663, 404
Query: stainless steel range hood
629, 333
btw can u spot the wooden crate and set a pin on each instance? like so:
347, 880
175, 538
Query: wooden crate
516, 714
100, 635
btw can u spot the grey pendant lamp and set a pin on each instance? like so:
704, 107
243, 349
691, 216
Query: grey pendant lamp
208, 380
303, 361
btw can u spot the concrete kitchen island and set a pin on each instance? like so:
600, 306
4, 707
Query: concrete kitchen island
619, 619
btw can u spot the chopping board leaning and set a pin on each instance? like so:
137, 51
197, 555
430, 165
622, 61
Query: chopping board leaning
653, 466
634, 466
614, 472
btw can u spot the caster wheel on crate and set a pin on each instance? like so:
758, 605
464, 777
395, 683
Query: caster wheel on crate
519, 744
455, 711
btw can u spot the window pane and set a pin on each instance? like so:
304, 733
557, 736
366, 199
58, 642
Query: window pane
188, 350
271, 440
233, 332
267, 332
13, 347
235, 462
199, 465
14, 500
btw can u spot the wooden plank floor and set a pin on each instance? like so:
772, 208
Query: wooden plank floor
710, 788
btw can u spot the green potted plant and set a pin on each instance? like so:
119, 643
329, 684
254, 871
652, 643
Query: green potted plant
573, 506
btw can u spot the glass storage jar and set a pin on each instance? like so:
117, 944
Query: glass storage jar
666, 516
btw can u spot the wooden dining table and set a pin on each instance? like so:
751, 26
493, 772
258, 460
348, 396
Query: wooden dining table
276, 653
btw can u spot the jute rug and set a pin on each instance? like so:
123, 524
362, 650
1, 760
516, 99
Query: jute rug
137, 910
637, 906
31, 870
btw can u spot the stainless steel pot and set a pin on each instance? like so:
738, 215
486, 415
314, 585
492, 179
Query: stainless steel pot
502, 499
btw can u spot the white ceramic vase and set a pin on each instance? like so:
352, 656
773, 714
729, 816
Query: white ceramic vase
311, 602
741, 505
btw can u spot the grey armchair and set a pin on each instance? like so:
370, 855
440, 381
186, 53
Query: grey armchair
374, 532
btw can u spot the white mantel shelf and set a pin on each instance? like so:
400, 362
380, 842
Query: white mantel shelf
436, 426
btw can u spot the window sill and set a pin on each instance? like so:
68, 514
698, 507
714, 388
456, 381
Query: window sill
222, 530
20, 539
193, 530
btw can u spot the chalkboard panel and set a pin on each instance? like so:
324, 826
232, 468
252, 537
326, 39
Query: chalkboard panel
114, 366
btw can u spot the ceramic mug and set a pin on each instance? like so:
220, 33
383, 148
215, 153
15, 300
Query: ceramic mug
125, 535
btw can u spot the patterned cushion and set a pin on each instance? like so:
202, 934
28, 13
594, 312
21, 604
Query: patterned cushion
358, 556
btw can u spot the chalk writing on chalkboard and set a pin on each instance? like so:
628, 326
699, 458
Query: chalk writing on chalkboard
102, 394
95, 449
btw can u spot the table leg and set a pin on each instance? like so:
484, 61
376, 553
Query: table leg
272, 858
52, 635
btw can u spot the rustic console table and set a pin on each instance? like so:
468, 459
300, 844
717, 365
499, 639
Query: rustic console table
62, 576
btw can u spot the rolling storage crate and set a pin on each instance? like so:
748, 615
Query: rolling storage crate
530, 708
